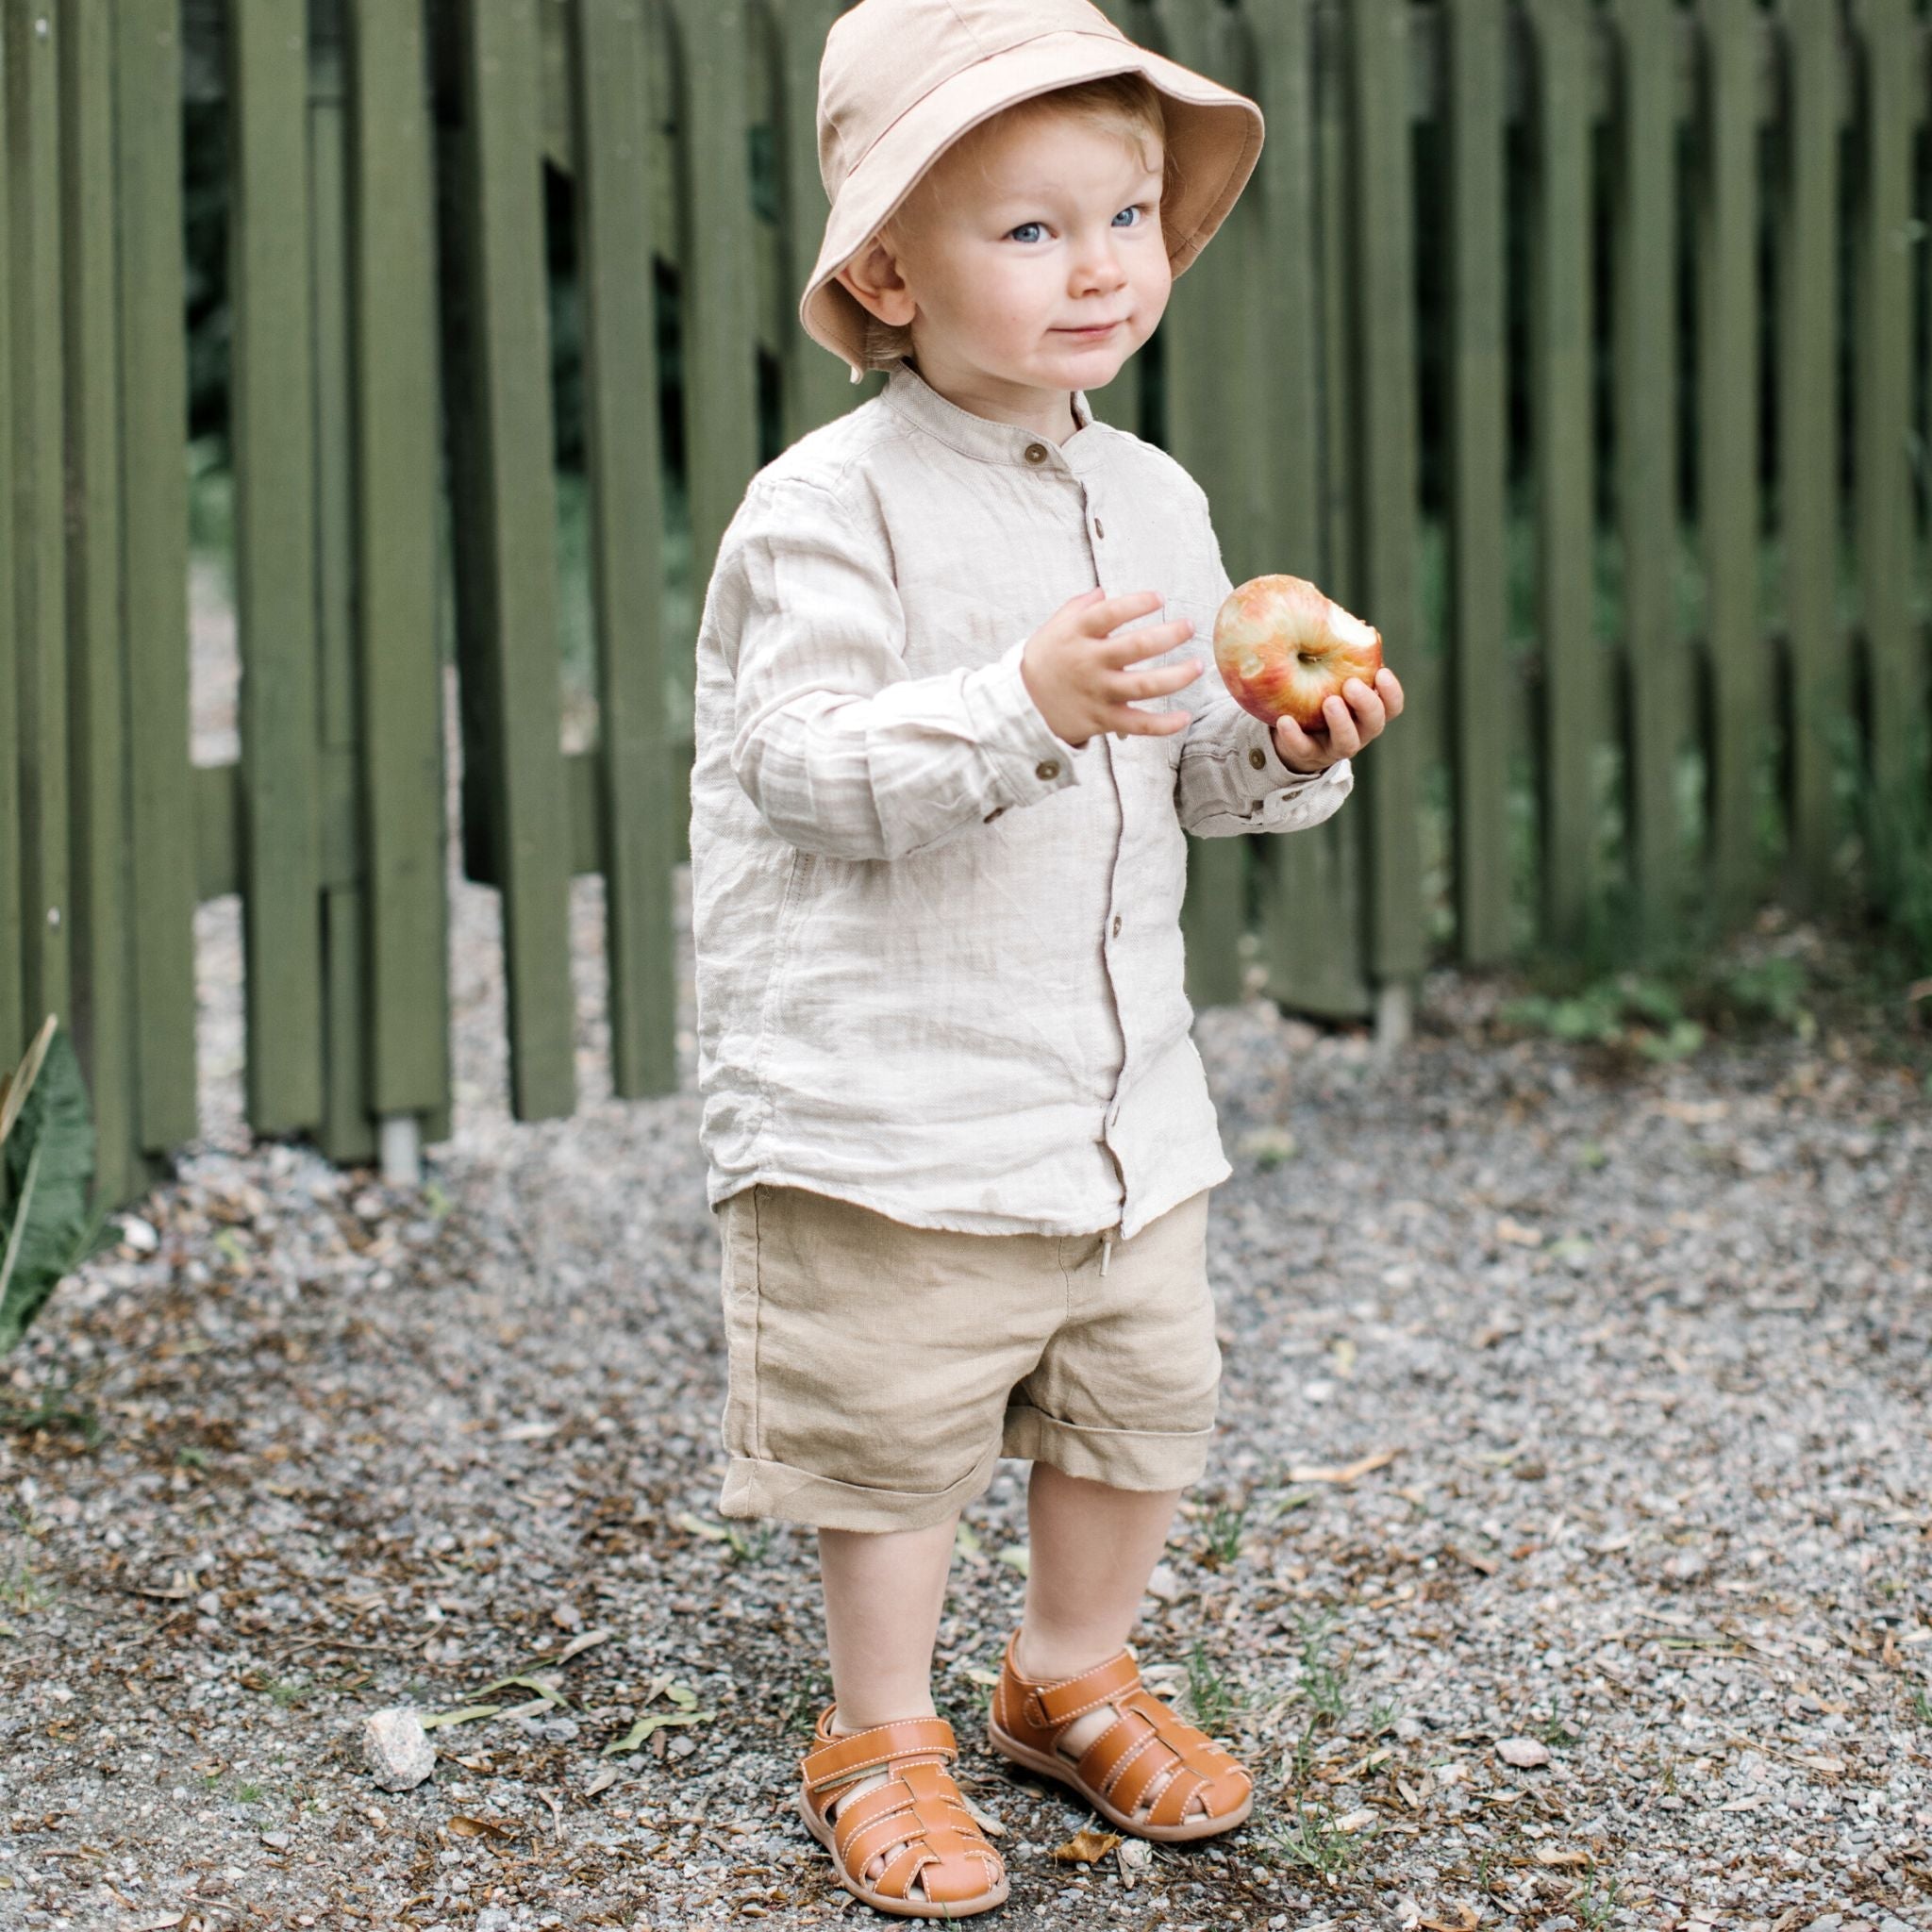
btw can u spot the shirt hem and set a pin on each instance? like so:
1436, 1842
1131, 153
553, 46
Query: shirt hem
957, 1222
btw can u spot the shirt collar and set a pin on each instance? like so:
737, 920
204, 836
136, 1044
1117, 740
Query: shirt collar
914, 398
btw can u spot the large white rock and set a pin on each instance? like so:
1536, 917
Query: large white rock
397, 1749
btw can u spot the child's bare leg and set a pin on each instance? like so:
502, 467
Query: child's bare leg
883, 1594
1093, 1549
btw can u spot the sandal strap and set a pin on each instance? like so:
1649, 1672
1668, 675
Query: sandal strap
919, 1808
1149, 1756
838, 1760
1053, 1706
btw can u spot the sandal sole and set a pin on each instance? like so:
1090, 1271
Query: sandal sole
899, 1907
1065, 1773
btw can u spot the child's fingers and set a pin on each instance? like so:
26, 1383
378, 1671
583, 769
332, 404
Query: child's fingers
1147, 640
1104, 614
1298, 751
1124, 721
1371, 714
1158, 681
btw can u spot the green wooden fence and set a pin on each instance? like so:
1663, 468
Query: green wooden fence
1579, 343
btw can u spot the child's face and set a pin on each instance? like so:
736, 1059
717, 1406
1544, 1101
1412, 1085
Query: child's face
1029, 228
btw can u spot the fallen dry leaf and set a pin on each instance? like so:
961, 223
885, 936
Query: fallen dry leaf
577, 1645
1086, 1847
1518, 1234
985, 1819
1467, 1919
1551, 1855
462, 1826
1347, 1473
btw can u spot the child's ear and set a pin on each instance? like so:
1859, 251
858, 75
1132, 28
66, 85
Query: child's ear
874, 280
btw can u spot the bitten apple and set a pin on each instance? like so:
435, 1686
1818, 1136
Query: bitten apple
1284, 647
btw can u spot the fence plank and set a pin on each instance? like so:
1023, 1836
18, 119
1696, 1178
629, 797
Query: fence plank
627, 542
1807, 469
275, 561
40, 601
1570, 662
347, 1131
391, 279
1200, 345
1644, 256
103, 1003
519, 678
818, 386
1891, 72
1479, 616
719, 285
14, 1031
1287, 402
146, 61
1727, 215
1324, 869
1383, 342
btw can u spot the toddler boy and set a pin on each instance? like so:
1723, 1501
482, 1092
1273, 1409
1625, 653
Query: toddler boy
955, 720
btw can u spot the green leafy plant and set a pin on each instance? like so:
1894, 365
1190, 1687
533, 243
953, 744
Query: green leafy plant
48, 1217
1895, 825
1631, 1010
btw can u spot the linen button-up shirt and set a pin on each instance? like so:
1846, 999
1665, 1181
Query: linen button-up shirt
939, 949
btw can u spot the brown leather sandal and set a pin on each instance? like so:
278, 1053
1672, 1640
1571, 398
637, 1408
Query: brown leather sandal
916, 1820
1143, 1774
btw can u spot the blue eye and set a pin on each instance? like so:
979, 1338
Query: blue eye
1139, 207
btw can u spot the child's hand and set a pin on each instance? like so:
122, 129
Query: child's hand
1078, 677
1351, 725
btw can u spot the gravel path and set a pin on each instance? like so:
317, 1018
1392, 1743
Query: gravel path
1565, 1563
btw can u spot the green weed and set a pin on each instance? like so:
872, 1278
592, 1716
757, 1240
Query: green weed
23, 1592
1325, 1687
1310, 1844
52, 1413
1225, 1528
1214, 1700
1592, 1907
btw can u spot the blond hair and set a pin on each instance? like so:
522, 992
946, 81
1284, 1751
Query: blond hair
1126, 105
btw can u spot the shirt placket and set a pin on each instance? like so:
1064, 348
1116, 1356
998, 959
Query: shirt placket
1093, 518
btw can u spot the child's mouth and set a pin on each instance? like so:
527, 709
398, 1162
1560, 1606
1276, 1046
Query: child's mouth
1092, 335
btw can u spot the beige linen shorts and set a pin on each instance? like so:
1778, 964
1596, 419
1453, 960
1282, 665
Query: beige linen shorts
879, 1371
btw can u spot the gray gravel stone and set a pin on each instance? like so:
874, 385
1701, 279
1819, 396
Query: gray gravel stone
396, 1749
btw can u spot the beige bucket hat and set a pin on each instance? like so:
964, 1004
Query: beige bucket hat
900, 80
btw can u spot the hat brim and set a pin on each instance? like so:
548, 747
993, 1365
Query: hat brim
1213, 134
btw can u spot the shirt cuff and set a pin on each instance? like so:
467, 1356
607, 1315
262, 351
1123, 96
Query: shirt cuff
1030, 761
1254, 743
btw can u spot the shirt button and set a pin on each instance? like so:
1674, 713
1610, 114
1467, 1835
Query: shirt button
1036, 452
1116, 925
1257, 758
1047, 768
994, 813
1099, 528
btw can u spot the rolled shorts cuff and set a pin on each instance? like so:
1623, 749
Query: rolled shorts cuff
784, 1493
1122, 1458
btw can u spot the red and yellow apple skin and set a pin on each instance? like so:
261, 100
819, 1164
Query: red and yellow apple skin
1284, 647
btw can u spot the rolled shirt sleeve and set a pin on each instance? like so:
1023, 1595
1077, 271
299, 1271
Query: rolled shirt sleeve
1230, 777
842, 752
